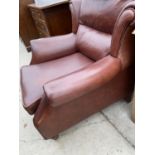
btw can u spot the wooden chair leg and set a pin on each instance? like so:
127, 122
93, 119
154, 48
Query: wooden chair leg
128, 98
55, 137
133, 108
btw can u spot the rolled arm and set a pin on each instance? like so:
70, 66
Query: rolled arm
46, 49
125, 19
70, 87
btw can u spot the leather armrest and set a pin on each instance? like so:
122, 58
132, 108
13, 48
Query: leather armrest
46, 49
74, 85
125, 19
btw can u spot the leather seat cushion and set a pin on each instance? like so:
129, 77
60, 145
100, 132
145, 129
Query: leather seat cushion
35, 76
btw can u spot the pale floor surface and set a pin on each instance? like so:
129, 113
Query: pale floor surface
109, 132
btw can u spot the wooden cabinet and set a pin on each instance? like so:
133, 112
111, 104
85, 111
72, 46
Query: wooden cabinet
51, 20
27, 29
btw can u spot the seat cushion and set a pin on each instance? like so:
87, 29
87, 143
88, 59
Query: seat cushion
35, 76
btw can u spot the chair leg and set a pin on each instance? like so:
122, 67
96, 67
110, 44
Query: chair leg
55, 137
128, 98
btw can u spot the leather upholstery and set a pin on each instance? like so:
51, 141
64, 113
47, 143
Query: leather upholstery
106, 12
75, 75
125, 19
35, 76
46, 49
82, 82
50, 121
92, 43
75, 9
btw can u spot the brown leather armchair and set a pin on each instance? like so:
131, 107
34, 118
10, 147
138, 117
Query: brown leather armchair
75, 75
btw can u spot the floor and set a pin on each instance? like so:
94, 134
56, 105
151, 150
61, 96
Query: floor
108, 132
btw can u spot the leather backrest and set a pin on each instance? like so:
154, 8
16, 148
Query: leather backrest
93, 21
98, 14
92, 43
75, 6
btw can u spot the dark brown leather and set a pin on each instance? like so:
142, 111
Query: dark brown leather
101, 14
124, 21
35, 76
75, 6
73, 76
79, 83
127, 47
92, 43
46, 49
50, 120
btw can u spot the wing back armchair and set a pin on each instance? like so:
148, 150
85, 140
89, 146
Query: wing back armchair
75, 75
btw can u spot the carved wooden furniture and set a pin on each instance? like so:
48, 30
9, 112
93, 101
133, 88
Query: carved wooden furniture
27, 29
53, 19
